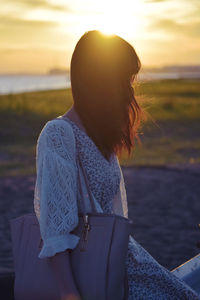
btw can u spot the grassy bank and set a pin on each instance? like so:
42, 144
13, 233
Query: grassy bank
169, 136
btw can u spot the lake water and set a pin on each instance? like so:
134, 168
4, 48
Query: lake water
11, 84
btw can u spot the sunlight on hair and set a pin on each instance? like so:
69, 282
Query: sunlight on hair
107, 33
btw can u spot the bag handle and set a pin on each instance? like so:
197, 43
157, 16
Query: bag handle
81, 168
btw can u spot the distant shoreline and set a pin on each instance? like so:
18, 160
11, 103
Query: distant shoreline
14, 84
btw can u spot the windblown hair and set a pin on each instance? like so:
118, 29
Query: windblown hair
102, 72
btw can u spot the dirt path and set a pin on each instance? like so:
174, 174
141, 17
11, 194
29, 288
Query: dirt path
164, 204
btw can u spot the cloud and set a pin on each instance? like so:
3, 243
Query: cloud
15, 31
190, 29
15, 15
38, 4
11, 21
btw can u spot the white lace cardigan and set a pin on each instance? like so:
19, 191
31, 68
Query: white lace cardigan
55, 194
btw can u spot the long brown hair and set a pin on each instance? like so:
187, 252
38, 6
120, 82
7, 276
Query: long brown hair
102, 71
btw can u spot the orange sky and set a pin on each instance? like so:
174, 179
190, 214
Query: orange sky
37, 35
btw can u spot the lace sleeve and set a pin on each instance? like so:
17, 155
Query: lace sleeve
120, 206
55, 195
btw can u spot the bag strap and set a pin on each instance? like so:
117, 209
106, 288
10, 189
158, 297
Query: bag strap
82, 169
89, 194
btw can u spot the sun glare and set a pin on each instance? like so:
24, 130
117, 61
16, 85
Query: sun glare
117, 17
109, 17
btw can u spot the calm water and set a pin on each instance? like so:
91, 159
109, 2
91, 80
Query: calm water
11, 84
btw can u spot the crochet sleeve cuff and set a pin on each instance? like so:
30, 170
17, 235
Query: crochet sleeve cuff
58, 244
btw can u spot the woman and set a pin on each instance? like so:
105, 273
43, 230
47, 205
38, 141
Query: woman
103, 120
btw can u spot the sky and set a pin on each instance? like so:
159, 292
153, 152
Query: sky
38, 35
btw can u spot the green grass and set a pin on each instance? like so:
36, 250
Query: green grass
169, 136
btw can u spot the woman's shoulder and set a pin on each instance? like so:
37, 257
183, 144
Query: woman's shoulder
57, 126
57, 134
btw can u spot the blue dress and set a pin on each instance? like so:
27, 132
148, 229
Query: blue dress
147, 279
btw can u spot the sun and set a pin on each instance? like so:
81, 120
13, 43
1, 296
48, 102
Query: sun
119, 18
112, 17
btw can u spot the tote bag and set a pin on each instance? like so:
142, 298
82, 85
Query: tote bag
98, 261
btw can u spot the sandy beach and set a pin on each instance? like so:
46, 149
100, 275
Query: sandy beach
163, 204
